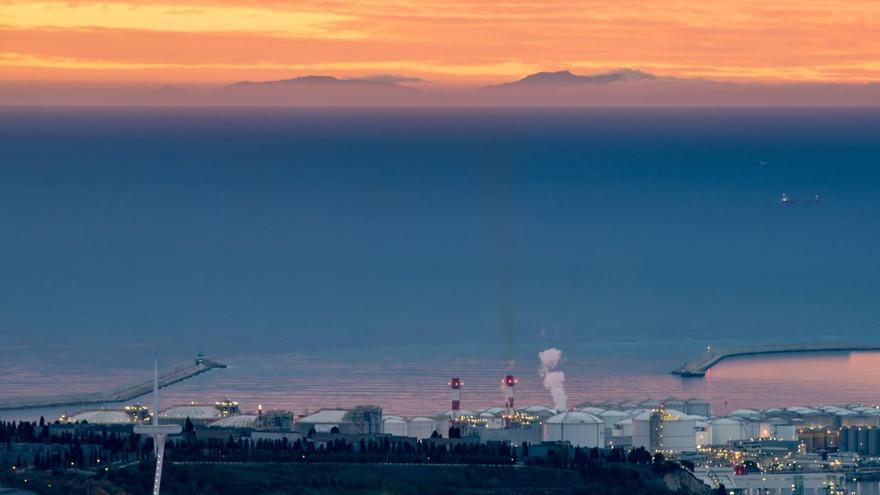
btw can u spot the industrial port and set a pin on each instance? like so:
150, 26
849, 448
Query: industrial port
795, 449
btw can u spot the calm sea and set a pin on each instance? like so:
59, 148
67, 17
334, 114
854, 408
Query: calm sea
337, 256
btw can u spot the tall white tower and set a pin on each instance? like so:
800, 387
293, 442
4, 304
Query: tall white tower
157, 431
507, 385
455, 384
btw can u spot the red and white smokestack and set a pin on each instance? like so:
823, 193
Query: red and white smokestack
455, 384
509, 383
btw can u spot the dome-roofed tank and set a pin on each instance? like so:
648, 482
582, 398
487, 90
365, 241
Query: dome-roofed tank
725, 430
420, 427
746, 413
578, 428
192, 411
394, 425
595, 411
623, 428
611, 418
239, 421
674, 403
664, 429
101, 417
698, 407
449, 413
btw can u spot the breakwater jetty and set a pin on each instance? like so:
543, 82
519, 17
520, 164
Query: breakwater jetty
168, 377
711, 357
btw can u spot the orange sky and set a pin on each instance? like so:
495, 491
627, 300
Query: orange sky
465, 42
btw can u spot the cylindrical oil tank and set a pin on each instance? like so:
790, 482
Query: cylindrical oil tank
751, 429
863, 441
702, 433
623, 428
643, 431
725, 430
679, 435
874, 441
698, 407
394, 426
578, 428
595, 411
860, 420
843, 442
420, 427
819, 420
786, 432
611, 417
852, 440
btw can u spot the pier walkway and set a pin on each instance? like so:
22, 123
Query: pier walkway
699, 366
127, 392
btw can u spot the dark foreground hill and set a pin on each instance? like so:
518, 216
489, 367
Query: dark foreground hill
345, 479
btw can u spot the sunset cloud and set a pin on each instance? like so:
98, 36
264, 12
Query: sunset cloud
467, 42
175, 18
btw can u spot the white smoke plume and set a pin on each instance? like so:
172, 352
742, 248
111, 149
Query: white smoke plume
554, 381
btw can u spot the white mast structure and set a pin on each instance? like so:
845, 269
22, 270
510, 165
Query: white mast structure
157, 431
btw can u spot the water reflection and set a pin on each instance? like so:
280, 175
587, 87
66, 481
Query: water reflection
417, 385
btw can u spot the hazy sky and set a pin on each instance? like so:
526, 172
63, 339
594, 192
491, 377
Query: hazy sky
468, 42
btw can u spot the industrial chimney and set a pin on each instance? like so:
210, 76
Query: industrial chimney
508, 384
455, 384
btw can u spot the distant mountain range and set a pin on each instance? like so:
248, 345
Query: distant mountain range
636, 88
622, 87
567, 78
326, 81
322, 90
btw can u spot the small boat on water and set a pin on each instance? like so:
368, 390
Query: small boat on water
786, 200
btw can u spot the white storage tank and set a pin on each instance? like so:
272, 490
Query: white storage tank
579, 428
665, 430
641, 430
786, 432
679, 434
746, 414
542, 412
726, 430
623, 428
420, 427
192, 412
449, 413
676, 404
702, 433
611, 418
766, 429
239, 421
698, 407
102, 417
493, 422
595, 411
393, 425
751, 429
